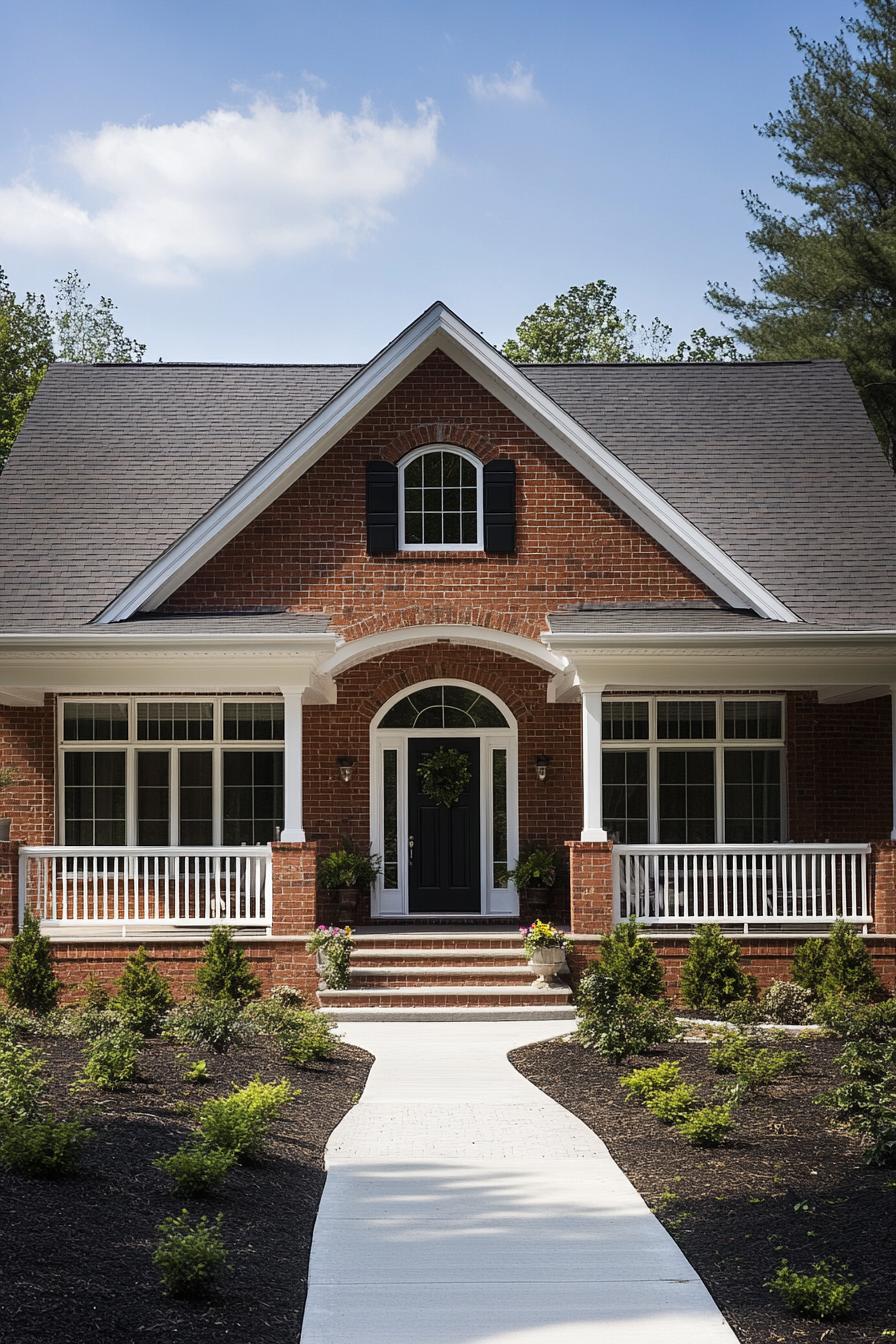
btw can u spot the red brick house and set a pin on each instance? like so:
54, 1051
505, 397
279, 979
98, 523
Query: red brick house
652, 606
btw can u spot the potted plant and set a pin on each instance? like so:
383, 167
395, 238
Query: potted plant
348, 871
333, 946
8, 776
536, 873
546, 950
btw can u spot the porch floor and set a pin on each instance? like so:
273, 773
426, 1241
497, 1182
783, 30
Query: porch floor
462, 1205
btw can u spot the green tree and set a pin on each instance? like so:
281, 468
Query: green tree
586, 326
827, 275
26, 349
32, 336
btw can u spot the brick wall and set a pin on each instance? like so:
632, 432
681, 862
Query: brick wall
27, 745
307, 550
839, 768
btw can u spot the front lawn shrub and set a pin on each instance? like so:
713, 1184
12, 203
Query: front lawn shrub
617, 1024
43, 1146
94, 995
707, 1126
196, 1168
742, 1013
111, 1059
144, 996
225, 971
197, 1072
239, 1123
217, 1024
22, 1081
837, 966
825, 1294
189, 1256
642, 1084
673, 1105
302, 1034
787, 1002
632, 961
288, 995
736, 1053
711, 977
866, 1102
28, 974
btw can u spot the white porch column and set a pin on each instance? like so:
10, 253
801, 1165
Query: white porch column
893, 756
293, 829
592, 763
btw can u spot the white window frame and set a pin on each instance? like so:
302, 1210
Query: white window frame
653, 745
494, 900
217, 744
405, 462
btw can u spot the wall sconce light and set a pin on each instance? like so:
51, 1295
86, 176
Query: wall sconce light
346, 767
541, 767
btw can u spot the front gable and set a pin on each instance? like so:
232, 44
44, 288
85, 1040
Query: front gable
308, 549
438, 333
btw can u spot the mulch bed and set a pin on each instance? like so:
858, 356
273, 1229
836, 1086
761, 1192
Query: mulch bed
786, 1184
75, 1254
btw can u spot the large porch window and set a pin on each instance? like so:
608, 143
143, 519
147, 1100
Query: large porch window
164, 771
700, 770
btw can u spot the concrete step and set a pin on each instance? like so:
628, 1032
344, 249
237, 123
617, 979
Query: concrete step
445, 996
541, 1013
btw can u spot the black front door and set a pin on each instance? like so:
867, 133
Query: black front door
443, 842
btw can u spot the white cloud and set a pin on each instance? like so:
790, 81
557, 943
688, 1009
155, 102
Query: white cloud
172, 201
517, 86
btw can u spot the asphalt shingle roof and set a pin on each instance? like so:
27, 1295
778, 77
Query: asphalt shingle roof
776, 463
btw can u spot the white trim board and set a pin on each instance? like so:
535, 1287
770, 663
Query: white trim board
439, 328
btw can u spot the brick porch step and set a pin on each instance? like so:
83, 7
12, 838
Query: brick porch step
401, 974
446, 996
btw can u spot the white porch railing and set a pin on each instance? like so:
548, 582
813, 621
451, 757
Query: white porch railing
124, 890
749, 885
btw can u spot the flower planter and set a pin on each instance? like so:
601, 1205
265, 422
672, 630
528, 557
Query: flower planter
347, 904
538, 899
548, 964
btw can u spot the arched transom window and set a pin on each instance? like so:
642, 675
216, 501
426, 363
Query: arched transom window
440, 501
444, 707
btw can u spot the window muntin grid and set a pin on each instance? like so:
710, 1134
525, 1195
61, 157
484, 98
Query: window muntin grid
440, 492
444, 707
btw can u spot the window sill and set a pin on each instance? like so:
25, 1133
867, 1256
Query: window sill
428, 557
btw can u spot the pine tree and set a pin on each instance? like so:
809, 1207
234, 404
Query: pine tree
225, 971
144, 995
712, 976
28, 974
827, 276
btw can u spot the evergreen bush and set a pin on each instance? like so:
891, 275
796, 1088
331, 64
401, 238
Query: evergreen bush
225, 971
144, 996
712, 977
28, 974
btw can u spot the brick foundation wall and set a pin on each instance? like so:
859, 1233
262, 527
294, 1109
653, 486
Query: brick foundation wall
9, 888
590, 887
766, 959
883, 870
293, 888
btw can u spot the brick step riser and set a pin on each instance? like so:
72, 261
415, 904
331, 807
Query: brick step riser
436, 1000
405, 980
387, 958
438, 944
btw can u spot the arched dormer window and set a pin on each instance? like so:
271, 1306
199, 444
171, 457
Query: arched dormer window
440, 500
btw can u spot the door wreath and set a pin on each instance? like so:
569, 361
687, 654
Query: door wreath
444, 775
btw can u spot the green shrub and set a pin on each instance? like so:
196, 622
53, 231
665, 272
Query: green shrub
674, 1105
866, 1102
787, 1001
707, 1126
739, 1054
197, 1072
22, 1082
111, 1059
214, 1023
616, 1024
196, 1168
826, 1294
837, 966
711, 977
302, 1034
348, 867
871, 1022
41, 1147
225, 971
28, 974
332, 946
742, 1013
239, 1123
144, 996
94, 995
632, 961
189, 1256
642, 1084
288, 996
90, 1023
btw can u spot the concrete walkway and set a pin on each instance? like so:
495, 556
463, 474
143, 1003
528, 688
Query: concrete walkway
463, 1206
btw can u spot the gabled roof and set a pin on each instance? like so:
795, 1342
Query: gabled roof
759, 476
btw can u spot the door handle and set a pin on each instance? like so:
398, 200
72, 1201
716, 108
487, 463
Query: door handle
410, 851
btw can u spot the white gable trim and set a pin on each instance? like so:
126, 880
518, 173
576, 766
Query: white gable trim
439, 328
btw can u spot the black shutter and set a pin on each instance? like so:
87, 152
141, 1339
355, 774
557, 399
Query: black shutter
382, 508
499, 506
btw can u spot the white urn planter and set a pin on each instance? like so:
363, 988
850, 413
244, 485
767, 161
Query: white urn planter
548, 964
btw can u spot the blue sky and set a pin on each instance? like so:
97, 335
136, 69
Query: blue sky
294, 181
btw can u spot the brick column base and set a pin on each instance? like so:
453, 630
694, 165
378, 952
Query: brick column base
590, 886
294, 888
883, 871
9, 888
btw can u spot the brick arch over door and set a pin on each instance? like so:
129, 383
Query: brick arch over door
549, 811
307, 550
